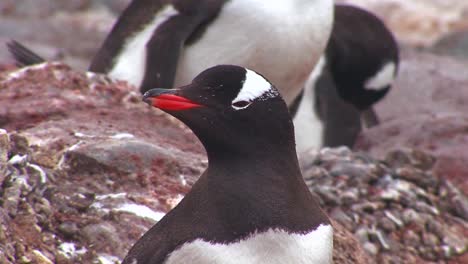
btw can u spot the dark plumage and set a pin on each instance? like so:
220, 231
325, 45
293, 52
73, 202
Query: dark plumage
356, 71
253, 183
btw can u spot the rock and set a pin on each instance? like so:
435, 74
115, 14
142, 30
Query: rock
52, 200
69, 230
40, 258
387, 225
370, 248
362, 234
102, 235
399, 214
346, 249
455, 44
45, 27
4, 151
456, 244
411, 239
116, 6
419, 22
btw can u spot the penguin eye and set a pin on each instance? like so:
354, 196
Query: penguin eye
241, 105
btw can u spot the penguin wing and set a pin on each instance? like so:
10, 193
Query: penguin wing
342, 122
170, 37
189, 220
154, 247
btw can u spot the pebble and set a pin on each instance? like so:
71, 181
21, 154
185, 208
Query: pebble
401, 211
458, 244
370, 248
430, 240
367, 207
349, 197
4, 148
410, 238
362, 234
40, 258
410, 216
69, 229
387, 225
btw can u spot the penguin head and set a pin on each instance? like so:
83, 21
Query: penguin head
228, 107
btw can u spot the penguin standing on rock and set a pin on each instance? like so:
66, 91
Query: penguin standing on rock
356, 71
251, 205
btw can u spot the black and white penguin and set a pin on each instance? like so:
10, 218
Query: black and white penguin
166, 43
359, 65
251, 205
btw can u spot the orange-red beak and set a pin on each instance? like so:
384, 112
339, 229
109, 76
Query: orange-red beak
166, 99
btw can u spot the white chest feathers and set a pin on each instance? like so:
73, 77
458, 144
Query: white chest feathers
130, 64
272, 247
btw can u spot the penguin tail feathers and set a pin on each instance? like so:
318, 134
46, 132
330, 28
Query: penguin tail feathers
23, 55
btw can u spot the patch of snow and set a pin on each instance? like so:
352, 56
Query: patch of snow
110, 196
18, 159
69, 249
42, 173
75, 146
391, 194
22, 71
108, 259
82, 135
122, 136
140, 210
99, 206
183, 180
90, 75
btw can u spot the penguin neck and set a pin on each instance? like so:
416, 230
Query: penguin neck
262, 162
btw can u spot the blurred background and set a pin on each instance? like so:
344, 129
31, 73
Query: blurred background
52, 27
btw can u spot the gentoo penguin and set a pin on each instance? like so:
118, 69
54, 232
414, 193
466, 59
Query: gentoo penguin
165, 43
359, 64
251, 205
362, 56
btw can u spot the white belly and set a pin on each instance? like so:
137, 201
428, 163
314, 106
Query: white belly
272, 247
308, 128
264, 38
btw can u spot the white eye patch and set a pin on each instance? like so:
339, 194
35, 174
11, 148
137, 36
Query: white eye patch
383, 78
254, 87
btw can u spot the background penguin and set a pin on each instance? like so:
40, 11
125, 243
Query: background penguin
356, 71
159, 43
23, 55
251, 205
166, 43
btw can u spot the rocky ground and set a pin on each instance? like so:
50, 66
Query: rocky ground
86, 167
